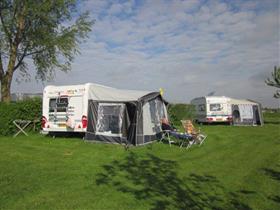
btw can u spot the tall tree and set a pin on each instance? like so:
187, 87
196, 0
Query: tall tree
46, 32
275, 81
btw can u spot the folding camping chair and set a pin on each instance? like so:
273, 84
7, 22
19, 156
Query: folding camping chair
187, 142
166, 134
198, 136
21, 125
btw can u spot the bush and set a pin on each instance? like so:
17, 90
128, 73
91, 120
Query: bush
30, 109
178, 112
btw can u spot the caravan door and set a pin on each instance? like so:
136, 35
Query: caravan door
65, 114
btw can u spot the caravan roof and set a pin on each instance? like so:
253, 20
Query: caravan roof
242, 101
99, 92
228, 99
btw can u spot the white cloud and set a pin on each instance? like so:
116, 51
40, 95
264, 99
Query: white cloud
186, 47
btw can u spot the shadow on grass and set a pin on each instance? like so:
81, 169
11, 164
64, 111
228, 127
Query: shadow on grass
247, 192
65, 135
275, 198
272, 122
273, 174
155, 181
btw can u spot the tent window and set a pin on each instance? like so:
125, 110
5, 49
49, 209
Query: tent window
110, 117
153, 111
201, 107
246, 111
157, 110
160, 109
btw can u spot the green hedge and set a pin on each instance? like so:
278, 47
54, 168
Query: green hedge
178, 112
30, 109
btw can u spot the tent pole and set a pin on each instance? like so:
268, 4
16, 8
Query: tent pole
136, 127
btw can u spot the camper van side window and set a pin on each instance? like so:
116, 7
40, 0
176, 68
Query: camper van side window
215, 107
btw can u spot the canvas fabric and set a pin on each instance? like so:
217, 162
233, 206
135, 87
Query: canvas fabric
134, 121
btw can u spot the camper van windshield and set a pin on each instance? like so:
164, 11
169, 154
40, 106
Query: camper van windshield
58, 104
215, 107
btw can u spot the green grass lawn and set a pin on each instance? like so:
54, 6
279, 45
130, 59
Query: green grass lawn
236, 168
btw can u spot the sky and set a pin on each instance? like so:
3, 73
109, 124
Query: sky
189, 48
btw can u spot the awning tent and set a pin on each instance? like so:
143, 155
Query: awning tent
124, 116
246, 112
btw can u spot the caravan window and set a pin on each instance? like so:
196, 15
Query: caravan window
215, 107
58, 104
110, 117
52, 105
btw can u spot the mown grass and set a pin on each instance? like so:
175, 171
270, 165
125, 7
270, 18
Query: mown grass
236, 168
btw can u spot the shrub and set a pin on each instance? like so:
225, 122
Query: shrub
179, 112
30, 109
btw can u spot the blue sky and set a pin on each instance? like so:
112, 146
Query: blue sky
189, 48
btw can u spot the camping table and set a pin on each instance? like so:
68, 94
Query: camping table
21, 125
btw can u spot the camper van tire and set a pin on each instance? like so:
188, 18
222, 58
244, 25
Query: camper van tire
52, 134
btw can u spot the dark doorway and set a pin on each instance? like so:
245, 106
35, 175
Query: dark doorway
257, 118
236, 117
131, 110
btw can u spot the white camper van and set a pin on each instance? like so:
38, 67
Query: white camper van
211, 109
65, 108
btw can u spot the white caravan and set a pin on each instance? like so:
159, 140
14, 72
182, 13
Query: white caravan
65, 108
103, 113
211, 109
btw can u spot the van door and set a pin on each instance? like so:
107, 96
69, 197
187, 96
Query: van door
65, 109
75, 110
58, 109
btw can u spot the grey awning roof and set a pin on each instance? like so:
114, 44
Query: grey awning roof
103, 93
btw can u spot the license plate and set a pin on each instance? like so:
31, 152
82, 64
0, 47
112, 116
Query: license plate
219, 119
62, 125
